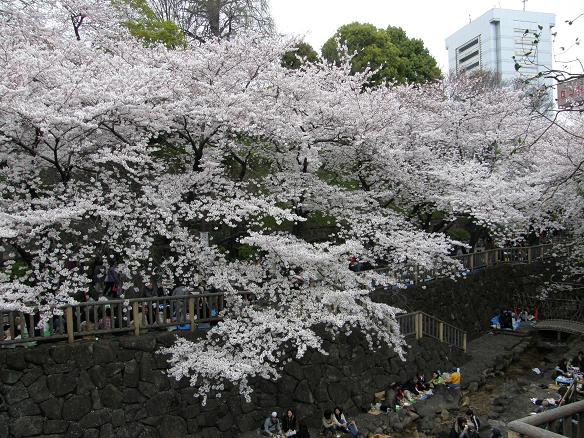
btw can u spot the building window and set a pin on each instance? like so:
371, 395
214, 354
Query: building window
468, 56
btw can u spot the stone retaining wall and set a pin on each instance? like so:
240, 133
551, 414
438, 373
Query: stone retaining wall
117, 387
469, 303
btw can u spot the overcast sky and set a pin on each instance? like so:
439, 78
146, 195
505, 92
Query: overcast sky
430, 20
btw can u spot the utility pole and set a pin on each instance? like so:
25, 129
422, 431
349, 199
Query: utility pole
524, 1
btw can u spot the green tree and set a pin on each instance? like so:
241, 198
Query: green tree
293, 59
146, 26
397, 57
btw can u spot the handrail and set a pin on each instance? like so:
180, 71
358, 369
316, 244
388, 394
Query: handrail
68, 321
422, 325
186, 312
566, 419
477, 260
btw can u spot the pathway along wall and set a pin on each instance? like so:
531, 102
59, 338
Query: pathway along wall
117, 387
470, 303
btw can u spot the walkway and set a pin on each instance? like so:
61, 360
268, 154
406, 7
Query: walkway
561, 325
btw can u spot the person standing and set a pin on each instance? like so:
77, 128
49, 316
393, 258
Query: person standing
111, 282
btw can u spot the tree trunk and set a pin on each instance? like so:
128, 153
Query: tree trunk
213, 13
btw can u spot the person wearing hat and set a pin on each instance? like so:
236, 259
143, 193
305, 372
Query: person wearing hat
272, 426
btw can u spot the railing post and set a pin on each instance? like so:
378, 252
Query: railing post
529, 254
419, 323
69, 316
192, 312
136, 316
441, 331
471, 261
464, 342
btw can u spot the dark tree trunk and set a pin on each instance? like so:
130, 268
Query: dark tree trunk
213, 14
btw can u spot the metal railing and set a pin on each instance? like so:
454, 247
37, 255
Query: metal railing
561, 422
420, 324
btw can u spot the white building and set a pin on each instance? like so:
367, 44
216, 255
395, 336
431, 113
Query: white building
491, 41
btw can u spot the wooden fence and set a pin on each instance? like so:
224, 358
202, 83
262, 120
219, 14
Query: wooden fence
191, 311
186, 313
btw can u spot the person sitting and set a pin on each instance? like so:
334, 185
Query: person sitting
453, 382
437, 379
473, 419
421, 384
329, 423
389, 402
345, 426
457, 427
272, 426
469, 431
302, 430
578, 361
562, 368
496, 433
105, 323
403, 397
289, 423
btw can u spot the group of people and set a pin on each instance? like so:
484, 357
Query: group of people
566, 371
418, 388
334, 423
511, 319
288, 427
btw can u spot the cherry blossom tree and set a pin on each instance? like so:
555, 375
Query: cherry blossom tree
110, 149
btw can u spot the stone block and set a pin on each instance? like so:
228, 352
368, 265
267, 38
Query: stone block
106, 431
52, 408
111, 397
16, 393
76, 407
141, 343
24, 408
118, 417
60, 353
15, 360
10, 377
161, 403
173, 427
131, 374
33, 357
31, 375
55, 426
103, 353
132, 395
225, 422
96, 419
27, 426
91, 433
61, 384
84, 383
98, 377
302, 393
